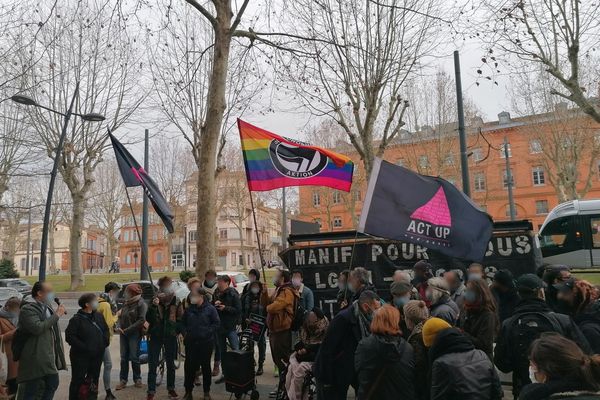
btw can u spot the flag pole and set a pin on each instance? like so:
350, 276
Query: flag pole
260, 255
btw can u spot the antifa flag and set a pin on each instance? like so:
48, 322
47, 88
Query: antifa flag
273, 162
134, 175
403, 205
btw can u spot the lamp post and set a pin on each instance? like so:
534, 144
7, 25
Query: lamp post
91, 117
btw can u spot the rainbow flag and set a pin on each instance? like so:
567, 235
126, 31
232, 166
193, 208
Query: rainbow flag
273, 162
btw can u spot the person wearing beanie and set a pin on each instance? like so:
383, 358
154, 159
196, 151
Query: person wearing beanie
458, 369
415, 315
441, 305
422, 272
505, 293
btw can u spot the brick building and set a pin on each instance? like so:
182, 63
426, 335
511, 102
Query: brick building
553, 157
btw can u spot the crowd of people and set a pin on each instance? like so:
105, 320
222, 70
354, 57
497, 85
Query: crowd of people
434, 337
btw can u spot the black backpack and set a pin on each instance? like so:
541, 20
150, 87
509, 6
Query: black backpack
298, 316
18, 343
526, 328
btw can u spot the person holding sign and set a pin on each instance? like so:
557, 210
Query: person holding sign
252, 306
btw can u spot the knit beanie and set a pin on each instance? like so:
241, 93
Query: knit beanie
431, 328
416, 311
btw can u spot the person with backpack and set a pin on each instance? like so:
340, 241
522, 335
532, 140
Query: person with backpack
164, 324
227, 302
9, 320
560, 370
87, 334
38, 346
251, 304
532, 318
130, 324
107, 306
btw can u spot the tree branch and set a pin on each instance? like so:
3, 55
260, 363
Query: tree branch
238, 18
203, 11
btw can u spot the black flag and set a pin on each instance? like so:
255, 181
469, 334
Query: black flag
403, 205
134, 175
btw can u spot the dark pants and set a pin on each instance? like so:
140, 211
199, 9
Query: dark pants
333, 392
84, 367
262, 350
281, 348
31, 390
130, 352
197, 354
217, 349
155, 345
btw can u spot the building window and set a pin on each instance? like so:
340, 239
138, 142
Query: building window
539, 178
316, 199
508, 211
508, 149
154, 234
480, 183
222, 233
318, 221
337, 222
193, 236
477, 154
337, 197
505, 179
541, 207
234, 259
535, 146
126, 236
423, 161
449, 159
357, 195
23, 263
158, 257
128, 259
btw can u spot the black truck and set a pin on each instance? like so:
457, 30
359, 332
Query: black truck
322, 256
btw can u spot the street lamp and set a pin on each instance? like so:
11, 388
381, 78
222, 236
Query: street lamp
90, 117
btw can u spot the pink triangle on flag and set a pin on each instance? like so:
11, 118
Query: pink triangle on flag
435, 211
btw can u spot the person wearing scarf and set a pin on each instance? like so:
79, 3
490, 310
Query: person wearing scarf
164, 324
9, 319
301, 361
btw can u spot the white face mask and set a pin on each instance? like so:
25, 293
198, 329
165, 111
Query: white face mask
532, 372
296, 282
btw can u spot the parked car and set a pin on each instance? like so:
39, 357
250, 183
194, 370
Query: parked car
20, 285
6, 293
238, 279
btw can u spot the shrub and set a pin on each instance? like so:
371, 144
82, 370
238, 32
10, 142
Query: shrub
186, 275
7, 269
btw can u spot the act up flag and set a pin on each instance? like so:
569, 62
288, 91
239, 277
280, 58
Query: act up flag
273, 162
403, 205
134, 175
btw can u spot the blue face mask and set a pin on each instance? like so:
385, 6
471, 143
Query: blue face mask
350, 287
400, 302
50, 297
474, 276
470, 296
255, 290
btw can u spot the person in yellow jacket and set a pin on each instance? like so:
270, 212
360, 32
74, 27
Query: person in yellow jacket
107, 307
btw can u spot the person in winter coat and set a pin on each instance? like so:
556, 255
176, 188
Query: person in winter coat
415, 315
209, 284
401, 293
505, 293
344, 295
301, 361
88, 336
456, 286
422, 272
553, 275
333, 365
130, 323
253, 276
107, 307
9, 320
227, 302
164, 324
385, 362
582, 300
532, 318
403, 276
200, 322
441, 305
359, 281
307, 298
42, 355
251, 304
479, 320
458, 370
560, 370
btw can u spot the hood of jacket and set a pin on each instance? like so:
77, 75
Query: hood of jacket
590, 314
542, 391
448, 341
532, 305
390, 347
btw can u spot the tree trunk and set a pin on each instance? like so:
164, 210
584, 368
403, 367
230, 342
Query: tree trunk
211, 131
75, 240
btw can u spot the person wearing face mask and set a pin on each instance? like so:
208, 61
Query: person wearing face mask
209, 284
227, 302
479, 320
344, 295
253, 276
457, 287
401, 293
422, 273
88, 336
532, 319
164, 324
107, 306
560, 370
200, 323
582, 299
307, 298
505, 292
359, 281
334, 363
193, 284
251, 304
40, 352
415, 315
9, 319
553, 275
441, 305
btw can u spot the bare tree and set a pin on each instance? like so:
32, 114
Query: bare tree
13, 139
171, 165
88, 42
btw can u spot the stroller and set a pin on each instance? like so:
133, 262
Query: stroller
239, 368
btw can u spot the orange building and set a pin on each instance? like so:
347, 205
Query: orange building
553, 157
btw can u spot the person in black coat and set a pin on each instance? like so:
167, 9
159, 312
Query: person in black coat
343, 295
505, 293
479, 320
253, 276
510, 354
227, 302
251, 304
333, 367
581, 299
88, 336
385, 362
553, 275
358, 282
200, 321
458, 370
561, 370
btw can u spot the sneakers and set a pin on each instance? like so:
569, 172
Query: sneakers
275, 372
220, 380
173, 395
188, 396
207, 396
259, 370
122, 385
216, 369
138, 384
109, 395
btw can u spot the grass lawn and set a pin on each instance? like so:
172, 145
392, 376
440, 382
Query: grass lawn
592, 277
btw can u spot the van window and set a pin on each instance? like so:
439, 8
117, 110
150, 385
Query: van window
561, 234
595, 227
